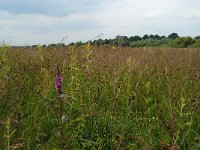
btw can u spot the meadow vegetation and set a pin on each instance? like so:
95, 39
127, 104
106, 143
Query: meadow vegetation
113, 98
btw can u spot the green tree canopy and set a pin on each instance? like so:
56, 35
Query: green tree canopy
182, 42
173, 36
121, 41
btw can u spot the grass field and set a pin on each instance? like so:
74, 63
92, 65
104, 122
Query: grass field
113, 98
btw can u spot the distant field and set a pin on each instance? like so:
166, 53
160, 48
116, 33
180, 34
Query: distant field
114, 98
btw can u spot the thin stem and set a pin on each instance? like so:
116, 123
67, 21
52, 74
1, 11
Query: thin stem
61, 124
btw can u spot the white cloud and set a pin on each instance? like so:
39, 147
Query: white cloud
31, 28
113, 17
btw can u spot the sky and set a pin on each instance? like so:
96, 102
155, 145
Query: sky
28, 22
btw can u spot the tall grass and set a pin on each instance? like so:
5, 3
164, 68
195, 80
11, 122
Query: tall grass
118, 98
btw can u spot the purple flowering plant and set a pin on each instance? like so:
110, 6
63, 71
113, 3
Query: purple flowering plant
58, 81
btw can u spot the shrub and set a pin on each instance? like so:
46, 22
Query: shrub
182, 42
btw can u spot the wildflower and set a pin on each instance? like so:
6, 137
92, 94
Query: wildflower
58, 82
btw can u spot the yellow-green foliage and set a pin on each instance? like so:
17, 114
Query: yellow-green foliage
4, 64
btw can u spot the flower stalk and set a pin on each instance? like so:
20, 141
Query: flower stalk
58, 86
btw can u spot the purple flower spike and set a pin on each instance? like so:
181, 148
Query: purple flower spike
58, 81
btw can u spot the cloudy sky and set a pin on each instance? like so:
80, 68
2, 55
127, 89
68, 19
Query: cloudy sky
24, 22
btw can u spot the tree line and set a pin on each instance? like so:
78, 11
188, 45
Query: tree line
172, 40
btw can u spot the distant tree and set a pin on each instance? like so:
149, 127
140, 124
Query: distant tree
60, 45
183, 42
135, 44
162, 37
93, 42
145, 37
173, 36
196, 44
71, 44
90, 42
107, 41
33, 46
165, 41
111, 41
52, 45
188, 41
152, 42
121, 41
157, 37
131, 38
103, 42
78, 43
172, 40
135, 38
141, 43
151, 36
98, 42
197, 38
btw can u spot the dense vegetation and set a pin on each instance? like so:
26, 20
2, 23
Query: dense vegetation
113, 97
171, 41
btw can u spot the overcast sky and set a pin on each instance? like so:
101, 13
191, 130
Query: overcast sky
24, 22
